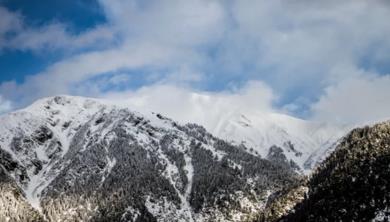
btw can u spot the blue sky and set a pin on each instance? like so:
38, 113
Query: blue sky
322, 60
80, 15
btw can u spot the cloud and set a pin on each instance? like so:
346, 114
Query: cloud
171, 51
5, 105
303, 41
16, 35
171, 23
55, 36
363, 99
10, 22
61, 76
305, 52
202, 107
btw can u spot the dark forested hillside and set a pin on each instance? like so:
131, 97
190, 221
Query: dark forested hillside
353, 183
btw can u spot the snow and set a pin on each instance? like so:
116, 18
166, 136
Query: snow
216, 153
163, 210
260, 131
130, 210
252, 206
171, 173
185, 200
45, 112
107, 170
257, 130
63, 115
35, 187
32, 192
382, 215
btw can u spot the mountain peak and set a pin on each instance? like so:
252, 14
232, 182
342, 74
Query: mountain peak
66, 102
303, 142
65, 152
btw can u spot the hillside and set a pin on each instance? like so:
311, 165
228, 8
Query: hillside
353, 183
78, 159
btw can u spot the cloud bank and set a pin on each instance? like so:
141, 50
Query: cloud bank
204, 108
324, 60
362, 100
5, 105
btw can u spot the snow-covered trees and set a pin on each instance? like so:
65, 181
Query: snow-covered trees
353, 183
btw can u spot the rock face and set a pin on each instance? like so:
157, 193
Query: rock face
353, 183
77, 159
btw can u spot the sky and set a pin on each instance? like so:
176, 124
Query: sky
315, 60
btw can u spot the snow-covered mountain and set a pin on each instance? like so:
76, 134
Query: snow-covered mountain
244, 120
77, 159
304, 142
352, 184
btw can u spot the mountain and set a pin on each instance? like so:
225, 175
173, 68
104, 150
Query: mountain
303, 142
352, 184
78, 159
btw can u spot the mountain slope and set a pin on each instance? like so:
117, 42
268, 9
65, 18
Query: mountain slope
79, 159
304, 142
353, 183
13, 206
247, 122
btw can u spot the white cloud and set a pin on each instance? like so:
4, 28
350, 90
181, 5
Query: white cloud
200, 107
55, 36
9, 22
175, 23
363, 99
303, 41
49, 36
172, 49
5, 105
61, 76
305, 51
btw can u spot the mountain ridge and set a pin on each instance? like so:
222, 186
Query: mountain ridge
304, 142
352, 184
80, 159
